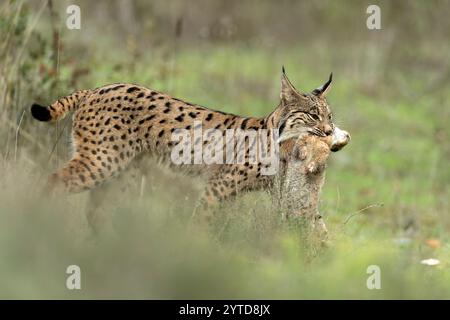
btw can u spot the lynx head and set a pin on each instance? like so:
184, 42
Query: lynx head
306, 113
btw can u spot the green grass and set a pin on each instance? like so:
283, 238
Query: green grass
398, 157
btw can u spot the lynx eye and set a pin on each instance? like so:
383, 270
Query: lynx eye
314, 116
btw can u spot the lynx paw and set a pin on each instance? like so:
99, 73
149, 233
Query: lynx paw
312, 167
300, 153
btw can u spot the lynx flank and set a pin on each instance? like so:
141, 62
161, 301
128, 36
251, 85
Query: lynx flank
114, 124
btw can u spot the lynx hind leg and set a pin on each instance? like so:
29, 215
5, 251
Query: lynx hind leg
84, 172
75, 176
96, 215
102, 199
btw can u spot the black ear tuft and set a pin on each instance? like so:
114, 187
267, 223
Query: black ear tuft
283, 70
40, 113
322, 91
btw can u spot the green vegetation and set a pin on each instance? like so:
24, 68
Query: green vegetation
391, 92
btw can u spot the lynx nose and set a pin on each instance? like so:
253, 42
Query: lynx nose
327, 130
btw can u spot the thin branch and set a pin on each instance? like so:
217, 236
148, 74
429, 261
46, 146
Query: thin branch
26, 135
360, 211
55, 58
58, 138
17, 135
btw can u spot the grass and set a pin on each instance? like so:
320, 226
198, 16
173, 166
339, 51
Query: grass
398, 157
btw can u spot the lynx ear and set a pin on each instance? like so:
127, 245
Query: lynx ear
288, 91
322, 91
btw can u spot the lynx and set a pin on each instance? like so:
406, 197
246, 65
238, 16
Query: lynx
116, 123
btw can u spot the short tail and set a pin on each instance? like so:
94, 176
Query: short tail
60, 108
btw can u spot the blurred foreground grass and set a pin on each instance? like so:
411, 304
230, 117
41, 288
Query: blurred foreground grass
154, 252
391, 99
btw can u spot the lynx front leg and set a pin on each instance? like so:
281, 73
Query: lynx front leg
211, 198
222, 188
218, 189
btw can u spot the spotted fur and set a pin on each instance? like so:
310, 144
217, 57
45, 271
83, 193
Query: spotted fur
115, 123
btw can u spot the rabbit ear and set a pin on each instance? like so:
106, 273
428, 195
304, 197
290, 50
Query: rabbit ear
286, 135
288, 92
287, 132
322, 91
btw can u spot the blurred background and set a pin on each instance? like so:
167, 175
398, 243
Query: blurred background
385, 200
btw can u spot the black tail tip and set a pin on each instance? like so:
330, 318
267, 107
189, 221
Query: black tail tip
40, 113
